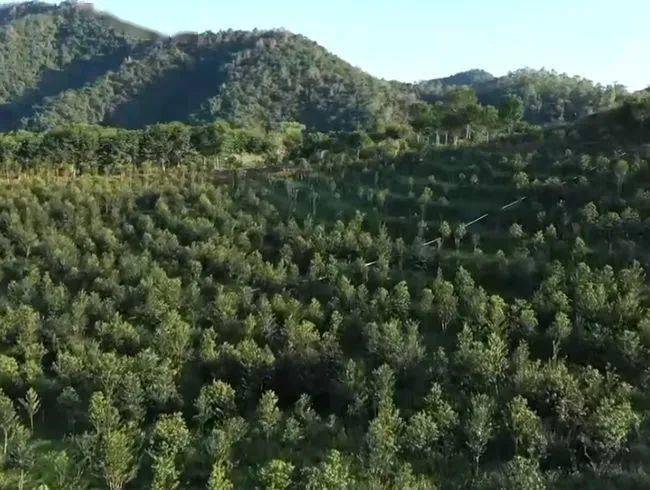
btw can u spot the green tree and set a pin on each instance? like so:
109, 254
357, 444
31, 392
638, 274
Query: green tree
215, 402
172, 340
526, 427
396, 343
268, 414
424, 200
116, 445
276, 475
21, 454
119, 459
400, 300
559, 330
445, 231
459, 233
609, 428
421, 433
31, 403
169, 441
479, 427
445, 303
331, 474
219, 479
8, 421
621, 169
516, 231
523, 473
511, 112
382, 443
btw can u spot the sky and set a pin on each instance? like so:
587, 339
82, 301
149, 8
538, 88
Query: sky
409, 40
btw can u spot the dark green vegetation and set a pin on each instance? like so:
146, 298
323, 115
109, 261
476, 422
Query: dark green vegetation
445, 287
368, 310
83, 148
548, 97
70, 64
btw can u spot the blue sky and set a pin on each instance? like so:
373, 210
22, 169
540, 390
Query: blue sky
605, 40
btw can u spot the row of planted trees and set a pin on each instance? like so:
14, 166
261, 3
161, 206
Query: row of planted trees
91, 148
204, 334
325, 326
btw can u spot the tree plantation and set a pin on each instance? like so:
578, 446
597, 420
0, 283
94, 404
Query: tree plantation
370, 311
232, 260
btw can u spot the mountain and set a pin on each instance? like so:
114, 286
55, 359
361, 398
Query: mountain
252, 78
69, 63
72, 64
45, 50
470, 77
547, 96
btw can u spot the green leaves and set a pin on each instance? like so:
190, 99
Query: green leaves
118, 458
479, 426
276, 475
527, 429
113, 446
201, 328
333, 473
396, 343
268, 414
383, 443
215, 402
609, 427
31, 403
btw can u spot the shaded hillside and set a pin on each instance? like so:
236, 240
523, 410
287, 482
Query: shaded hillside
629, 123
45, 50
438, 86
547, 96
72, 64
253, 78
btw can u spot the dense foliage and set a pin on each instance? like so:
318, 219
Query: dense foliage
548, 97
47, 50
70, 64
429, 292
380, 311
248, 78
82, 148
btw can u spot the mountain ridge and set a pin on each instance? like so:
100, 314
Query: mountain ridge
70, 63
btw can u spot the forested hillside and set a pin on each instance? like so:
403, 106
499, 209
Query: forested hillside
69, 64
72, 64
232, 260
548, 97
359, 310
258, 79
45, 50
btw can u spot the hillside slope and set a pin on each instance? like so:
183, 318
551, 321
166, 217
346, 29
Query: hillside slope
72, 64
373, 293
547, 96
253, 78
45, 50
